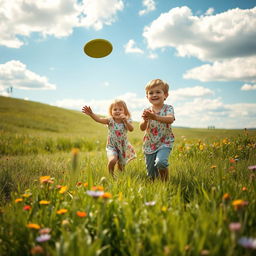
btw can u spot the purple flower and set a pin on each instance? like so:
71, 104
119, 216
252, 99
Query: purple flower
43, 238
252, 167
247, 242
151, 203
94, 194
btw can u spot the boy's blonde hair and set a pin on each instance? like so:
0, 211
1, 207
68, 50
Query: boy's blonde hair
119, 103
157, 82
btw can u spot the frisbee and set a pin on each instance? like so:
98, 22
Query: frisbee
98, 48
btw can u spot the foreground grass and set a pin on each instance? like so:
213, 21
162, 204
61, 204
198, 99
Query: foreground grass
206, 208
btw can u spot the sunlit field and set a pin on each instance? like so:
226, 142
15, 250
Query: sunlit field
57, 197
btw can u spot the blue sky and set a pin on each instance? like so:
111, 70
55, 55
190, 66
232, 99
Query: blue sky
205, 51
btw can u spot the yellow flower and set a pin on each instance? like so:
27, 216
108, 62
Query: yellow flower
44, 202
62, 211
201, 147
45, 179
86, 184
33, 226
239, 204
213, 166
63, 189
75, 151
18, 200
164, 209
26, 195
120, 196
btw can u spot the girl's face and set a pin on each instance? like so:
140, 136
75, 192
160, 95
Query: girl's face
116, 111
156, 96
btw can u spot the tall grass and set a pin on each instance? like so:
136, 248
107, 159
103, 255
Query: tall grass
188, 215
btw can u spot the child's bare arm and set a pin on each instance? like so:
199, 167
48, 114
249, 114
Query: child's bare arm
88, 111
168, 119
128, 125
144, 123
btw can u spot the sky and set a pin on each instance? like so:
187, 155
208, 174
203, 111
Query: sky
204, 50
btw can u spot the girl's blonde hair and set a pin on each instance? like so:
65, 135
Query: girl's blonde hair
119, 103
157, 82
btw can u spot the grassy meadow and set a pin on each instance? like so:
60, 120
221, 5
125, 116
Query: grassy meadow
57, 197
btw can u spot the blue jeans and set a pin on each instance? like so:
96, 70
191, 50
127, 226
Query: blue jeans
156, 161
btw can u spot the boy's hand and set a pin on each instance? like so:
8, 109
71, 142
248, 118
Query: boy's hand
87, 110
148, 114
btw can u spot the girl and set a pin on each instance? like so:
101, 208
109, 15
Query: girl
158, 139
119, 150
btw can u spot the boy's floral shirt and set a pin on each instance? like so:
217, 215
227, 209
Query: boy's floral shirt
158, 134
117, 141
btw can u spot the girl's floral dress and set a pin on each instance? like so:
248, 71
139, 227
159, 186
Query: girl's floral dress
158, 134
117, 142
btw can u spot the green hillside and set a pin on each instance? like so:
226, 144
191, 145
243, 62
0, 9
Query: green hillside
32, 127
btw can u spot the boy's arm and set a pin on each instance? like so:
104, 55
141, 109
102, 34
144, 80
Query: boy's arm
87, 110
168, 119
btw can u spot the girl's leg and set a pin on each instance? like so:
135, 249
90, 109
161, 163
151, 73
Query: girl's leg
150, 164
120, 166
161, 162
111, 163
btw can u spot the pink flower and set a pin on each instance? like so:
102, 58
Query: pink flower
252, 167
118, 133
235, 226
154, 131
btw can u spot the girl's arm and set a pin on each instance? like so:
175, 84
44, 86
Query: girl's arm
128, 125
87, 110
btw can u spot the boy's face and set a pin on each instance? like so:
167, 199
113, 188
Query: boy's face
156, 95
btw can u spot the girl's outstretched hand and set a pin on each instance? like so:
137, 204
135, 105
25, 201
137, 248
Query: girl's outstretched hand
87, 110
123, 117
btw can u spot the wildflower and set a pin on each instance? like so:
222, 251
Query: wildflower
43, 238
94, 194
37, 250
120, 196
213, 166
164, 209
65, 223
27, 194
232, 160
75, 151
27, 208
44, 231
99, 188
201, 147
44, 202
46, 179
151, 203
86, 184
18, 200
81, 214
226, 197
79, 183
62, 211
63, 189
246, 242
244, 188
204, 252
239, 204
107, 195
252, 168
235, 226
33, 226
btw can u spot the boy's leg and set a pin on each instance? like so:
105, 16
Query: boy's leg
162, 162
150, 164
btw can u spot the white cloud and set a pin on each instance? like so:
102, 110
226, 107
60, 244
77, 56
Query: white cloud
131, 47
16, 75
230, 34
152, 55
189, 92
198, 111
237, 69
149, 5
248, 87
56, 18
95, 14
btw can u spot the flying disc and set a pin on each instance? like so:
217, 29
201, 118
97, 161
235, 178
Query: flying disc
98, 48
